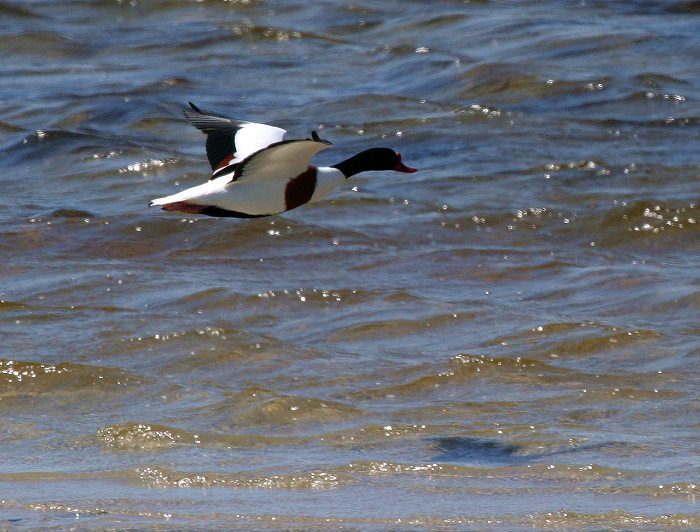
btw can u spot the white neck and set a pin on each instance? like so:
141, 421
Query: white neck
327, 179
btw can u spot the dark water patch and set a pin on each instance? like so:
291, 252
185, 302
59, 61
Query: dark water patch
12, 306
12, 9
71, 213
648, 8
691, 7
465, 449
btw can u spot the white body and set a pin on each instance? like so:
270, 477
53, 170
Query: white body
252, 196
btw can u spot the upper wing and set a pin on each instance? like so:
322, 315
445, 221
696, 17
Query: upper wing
284, 160
230, 141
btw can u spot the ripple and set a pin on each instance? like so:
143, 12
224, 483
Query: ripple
144, 437
154, 477
256, 408
44, 43
397, 328
614, 518
18, 378
154, 437
576, 339
645, 219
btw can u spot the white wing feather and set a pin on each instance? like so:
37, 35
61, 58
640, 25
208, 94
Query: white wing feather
283, 161
252, 137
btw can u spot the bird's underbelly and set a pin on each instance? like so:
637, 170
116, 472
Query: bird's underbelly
253, 198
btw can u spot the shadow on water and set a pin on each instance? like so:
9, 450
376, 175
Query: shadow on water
463, 449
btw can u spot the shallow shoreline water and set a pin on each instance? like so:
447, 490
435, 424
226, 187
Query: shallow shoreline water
506, 339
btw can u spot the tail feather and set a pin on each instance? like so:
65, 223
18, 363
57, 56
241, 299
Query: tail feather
182, 206
158, 201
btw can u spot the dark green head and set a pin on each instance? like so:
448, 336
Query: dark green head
377, 159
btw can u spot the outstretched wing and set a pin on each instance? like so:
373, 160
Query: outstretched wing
283, 160
231, 141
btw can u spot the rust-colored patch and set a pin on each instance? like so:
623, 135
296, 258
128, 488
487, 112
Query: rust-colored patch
224, 162
183, 206
300, 189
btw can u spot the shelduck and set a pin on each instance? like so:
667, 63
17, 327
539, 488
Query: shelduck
255, 172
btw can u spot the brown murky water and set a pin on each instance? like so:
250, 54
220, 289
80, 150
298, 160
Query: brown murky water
506, 339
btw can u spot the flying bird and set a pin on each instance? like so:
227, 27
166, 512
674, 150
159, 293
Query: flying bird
255, 172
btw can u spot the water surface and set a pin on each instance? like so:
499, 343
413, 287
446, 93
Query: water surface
507, 338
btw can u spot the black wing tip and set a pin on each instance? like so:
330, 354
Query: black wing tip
316, 138
190, 111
